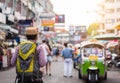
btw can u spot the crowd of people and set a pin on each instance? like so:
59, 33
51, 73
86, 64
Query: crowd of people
32, 59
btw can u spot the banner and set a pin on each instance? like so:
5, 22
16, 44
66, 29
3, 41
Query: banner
60, 18
47, 23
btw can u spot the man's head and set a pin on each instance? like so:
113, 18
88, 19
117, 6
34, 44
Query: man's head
31, 33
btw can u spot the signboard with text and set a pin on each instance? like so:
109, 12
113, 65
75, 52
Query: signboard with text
60, 18
47, 22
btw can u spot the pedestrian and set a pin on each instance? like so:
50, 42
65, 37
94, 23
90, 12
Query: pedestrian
1, 55
28, 58
57, 53
67, 54
53, 53
47, 52
49, 60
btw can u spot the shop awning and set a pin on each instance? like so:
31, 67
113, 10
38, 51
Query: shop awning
112, 44
117, 25
107, 37
8, 28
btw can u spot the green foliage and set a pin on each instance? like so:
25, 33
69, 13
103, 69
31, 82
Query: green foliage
92, 29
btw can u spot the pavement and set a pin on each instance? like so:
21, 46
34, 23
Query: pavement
8, 75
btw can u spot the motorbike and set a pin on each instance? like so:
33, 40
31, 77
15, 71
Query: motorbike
109, 59
93, 64
117, 62
114, 61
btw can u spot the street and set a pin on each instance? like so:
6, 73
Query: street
8, 76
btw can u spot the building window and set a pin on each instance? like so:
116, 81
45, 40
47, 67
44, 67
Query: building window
110, 21
118, 19
118, 9
109, 1
109, 10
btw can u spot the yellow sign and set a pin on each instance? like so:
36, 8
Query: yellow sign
47, 23
93, 57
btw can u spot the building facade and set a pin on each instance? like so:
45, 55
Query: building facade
109, 13
12, 11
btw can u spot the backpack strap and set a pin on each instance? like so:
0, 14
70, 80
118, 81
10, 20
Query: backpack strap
38, 74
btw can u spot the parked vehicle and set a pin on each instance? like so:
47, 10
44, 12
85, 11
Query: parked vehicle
117, 62
92, 66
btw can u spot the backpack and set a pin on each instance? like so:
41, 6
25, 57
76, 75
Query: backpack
27, 60
57, 51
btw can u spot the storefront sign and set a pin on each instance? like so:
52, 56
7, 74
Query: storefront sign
47, 23
47, 15
25, 23
11, 18
2, 18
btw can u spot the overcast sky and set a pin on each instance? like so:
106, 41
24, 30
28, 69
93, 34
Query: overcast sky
76, 11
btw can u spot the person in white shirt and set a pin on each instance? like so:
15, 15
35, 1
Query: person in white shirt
46, 52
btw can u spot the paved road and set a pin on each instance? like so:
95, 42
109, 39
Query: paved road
8, 76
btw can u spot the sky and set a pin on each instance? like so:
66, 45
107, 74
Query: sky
77, 12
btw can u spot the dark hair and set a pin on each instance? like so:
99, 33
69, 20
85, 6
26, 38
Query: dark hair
31, 37
47, 41
65, 44
43, 41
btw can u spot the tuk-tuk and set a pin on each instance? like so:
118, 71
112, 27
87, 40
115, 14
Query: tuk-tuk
92, 66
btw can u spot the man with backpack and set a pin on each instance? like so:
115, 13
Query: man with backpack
28, 58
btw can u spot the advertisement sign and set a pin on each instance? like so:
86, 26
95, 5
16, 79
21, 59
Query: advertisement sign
47, 15
77, 38
47, 23
25, 23
46, 28
60, 18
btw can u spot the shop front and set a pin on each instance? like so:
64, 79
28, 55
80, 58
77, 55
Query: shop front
6, 35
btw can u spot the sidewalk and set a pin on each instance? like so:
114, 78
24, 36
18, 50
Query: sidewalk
6, 68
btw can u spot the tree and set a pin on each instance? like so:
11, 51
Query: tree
92, 29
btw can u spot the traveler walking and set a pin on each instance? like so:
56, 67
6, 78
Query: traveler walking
53, 53
28, 58
47, 52
1, 55
49, 60
67, 54
57, 53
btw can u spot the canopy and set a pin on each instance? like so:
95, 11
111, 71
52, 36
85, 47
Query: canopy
107, 37
117, 25
85, 43
112, 44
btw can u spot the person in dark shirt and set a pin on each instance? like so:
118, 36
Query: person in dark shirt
1, 54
